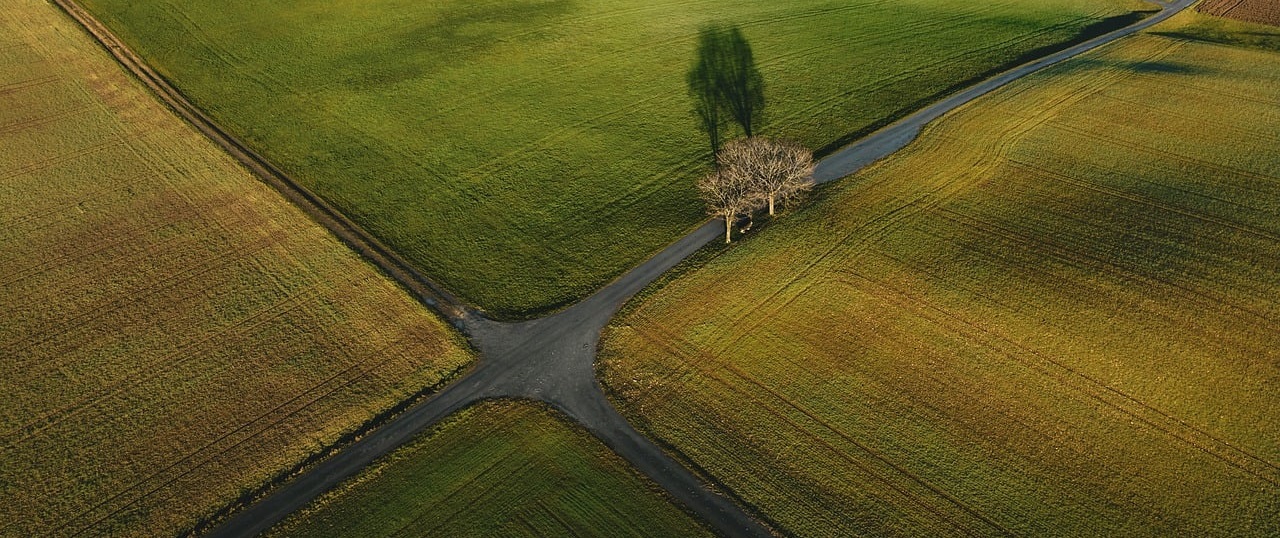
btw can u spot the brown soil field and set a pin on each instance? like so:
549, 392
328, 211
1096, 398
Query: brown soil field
174, 333
1260, 11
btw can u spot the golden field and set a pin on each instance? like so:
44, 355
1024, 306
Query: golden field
174, 332
1055, 314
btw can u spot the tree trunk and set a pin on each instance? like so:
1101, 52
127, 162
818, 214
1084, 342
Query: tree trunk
728, 228
770, 205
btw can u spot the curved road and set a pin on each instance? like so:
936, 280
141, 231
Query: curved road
550, 359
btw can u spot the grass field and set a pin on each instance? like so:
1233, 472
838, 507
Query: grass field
501, 468
1055, 314
174, 333
547, 145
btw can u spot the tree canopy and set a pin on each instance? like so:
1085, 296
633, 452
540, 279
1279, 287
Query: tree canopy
777, 170
751, 172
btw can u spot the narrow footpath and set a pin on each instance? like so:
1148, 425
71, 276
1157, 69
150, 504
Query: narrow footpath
550, 359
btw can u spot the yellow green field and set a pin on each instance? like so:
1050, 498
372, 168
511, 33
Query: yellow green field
1057, 313
174, 332
501, 468
549, 145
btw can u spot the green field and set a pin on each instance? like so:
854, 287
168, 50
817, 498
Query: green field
1055, 314
174, 333
525, 152
501, 468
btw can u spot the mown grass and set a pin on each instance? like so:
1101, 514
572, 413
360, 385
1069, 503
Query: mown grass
174, 333
525, 152
500, 468
1056, 314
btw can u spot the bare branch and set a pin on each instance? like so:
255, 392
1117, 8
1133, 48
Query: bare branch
776, 170
727, 196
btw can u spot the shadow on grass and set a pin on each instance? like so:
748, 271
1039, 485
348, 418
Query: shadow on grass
423, 47
1266, 41
1153, 67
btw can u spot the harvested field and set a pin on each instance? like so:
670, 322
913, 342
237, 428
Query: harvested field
1259, 11
501, 468
548, 145
1055, 314
174, 333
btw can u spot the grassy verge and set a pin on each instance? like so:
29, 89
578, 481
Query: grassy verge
501, 468
175, 334
1223, 31
1054, 314
525, 153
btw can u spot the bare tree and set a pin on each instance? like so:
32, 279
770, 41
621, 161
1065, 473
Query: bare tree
775, 170
727, 196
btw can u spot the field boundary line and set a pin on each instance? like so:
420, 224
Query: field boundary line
430, 293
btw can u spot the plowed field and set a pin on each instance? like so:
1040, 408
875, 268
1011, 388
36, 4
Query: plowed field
1259, 11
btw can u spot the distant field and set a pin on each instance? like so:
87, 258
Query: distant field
1258, 11
525, 152
174, 333
1056, 314
501, 468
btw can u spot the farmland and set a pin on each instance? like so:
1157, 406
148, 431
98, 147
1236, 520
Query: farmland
1056, 313
501, 468
545, 144
1256, 11
175, 334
